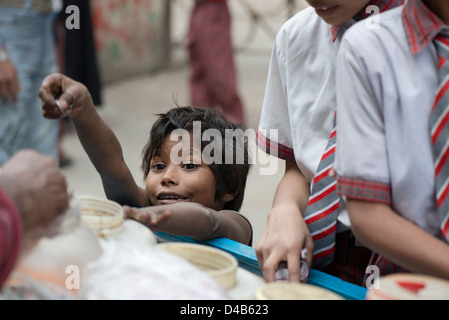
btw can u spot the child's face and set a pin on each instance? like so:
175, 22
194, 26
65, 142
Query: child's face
337, 11
169, 182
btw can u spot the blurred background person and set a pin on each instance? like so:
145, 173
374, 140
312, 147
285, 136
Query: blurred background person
76, 57
213, 80
27, 55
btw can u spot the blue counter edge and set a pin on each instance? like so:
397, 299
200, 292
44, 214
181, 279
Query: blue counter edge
246, 256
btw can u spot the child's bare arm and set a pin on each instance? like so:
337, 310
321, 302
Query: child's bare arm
381, 229
194, 220
96, 137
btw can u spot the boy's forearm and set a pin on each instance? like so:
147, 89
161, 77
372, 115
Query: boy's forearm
381, 229
97, 138
105, 152
190, 219
201, 223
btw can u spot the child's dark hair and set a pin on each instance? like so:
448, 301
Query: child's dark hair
230, 178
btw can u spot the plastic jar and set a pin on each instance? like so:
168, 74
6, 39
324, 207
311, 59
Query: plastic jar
53, 258
106, 219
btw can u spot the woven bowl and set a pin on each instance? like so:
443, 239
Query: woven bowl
104, 217
220, 265
409, 286
283, 290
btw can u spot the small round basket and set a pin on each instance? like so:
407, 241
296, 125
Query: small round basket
408, 286
104, 217
220, 265
283, 290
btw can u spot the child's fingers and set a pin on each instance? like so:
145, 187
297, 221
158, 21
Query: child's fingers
58, 95
49, 107
65, 102
146, 216
161, 217
48, 95
53, 84
130, 213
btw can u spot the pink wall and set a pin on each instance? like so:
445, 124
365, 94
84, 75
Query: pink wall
127, 33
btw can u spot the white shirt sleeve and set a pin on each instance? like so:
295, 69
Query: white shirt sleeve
274, 121
361, 155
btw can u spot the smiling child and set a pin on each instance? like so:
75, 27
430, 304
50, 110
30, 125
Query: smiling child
185, 193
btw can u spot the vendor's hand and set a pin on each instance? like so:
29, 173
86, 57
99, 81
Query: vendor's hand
285, 236
151, 217
9, 82
71, 94
36, 185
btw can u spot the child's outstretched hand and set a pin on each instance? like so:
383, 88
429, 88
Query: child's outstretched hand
62, 96
152, 217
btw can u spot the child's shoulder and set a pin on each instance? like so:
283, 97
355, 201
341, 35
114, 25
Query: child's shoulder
385, 27
305, 27
304, 21
378, 42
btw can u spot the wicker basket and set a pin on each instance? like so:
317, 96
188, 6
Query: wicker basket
104, 217
220, 265
409, 286
283, 290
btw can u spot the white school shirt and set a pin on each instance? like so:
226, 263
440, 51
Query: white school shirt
299, 104
385, 95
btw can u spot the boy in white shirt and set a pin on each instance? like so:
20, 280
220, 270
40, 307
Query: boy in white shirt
300, 103
387, 81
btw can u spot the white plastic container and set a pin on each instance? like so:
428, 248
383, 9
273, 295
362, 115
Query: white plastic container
53, 258
106, 219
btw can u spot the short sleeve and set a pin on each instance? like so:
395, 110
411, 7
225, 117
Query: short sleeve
361, 155
274, 134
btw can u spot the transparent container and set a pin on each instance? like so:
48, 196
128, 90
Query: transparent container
106, 219
53, 258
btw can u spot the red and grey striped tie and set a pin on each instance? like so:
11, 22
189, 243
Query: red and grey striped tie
439, 119
322, 209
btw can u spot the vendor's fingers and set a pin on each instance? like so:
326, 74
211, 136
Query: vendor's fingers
57, 179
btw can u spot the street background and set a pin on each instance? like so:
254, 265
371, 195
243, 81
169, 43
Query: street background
130, 104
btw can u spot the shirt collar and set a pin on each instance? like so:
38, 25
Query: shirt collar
383, 5
421, 25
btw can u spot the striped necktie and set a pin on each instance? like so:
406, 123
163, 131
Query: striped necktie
322, 209
439, 119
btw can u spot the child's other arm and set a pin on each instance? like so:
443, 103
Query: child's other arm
194, 220
381, 229
96, 137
